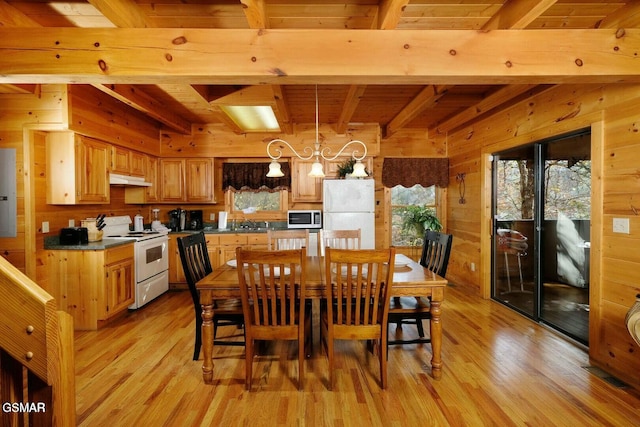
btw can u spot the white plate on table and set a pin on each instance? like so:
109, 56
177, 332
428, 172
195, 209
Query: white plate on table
276, 271
401, 261
232, 263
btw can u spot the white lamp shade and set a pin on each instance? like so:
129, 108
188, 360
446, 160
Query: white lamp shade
316, 170
275, 170
358, 170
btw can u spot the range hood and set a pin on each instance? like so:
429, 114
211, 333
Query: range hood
116, 179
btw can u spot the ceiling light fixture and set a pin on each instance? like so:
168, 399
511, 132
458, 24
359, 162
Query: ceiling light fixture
316, 169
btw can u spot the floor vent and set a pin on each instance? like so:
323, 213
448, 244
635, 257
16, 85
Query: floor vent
606, 376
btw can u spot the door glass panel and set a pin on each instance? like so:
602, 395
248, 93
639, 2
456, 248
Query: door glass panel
565, 236
514, 205
541, 240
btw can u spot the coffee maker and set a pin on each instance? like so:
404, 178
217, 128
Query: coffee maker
177, 219
195, 220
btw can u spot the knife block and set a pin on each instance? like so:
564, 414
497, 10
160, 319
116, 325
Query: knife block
95, 235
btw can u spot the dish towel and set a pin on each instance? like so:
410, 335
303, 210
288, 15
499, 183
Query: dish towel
633, 320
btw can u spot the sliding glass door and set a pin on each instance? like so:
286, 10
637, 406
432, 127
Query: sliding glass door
541, 232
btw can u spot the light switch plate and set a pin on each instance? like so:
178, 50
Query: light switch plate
212, 217
621, 225
45, 226
72, 223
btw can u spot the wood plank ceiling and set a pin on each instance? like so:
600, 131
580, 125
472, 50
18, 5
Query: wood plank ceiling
394, 106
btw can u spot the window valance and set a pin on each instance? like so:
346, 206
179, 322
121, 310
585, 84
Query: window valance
411, 171
253, 176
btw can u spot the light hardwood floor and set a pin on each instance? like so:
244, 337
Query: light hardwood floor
500, 369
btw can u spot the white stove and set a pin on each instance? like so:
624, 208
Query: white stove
151, 253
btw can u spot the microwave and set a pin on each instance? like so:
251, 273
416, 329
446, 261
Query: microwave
304, 219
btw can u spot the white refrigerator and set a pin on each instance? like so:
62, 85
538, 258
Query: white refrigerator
349, 204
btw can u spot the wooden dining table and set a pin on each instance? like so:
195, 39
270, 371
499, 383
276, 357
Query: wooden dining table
409, 279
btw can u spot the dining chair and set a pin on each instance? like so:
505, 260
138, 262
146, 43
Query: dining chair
272, 286
339, 239
196, 265
358, 284
413, 310
287, 239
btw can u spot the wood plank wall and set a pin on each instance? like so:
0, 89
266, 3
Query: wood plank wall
555, 111
615, 276
27, 117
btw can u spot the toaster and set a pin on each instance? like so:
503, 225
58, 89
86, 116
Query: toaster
74, 236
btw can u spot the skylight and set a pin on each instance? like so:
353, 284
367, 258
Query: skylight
258, 118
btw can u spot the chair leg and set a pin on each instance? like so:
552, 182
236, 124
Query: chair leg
248, 363
420, 328
383, 362
301, 357
198, 338
330, 356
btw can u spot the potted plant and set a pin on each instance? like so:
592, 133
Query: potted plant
420, 218
345, 169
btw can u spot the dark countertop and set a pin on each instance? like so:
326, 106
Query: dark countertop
53, 243
213, 229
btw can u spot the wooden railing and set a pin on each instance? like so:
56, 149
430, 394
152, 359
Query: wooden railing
37, 378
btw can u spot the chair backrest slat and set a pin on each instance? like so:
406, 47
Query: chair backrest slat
360, 283
340, 239
272, 283
287, 239
435, 251
195, 261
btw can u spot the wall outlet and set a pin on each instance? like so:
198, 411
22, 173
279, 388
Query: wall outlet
621, 225
45, 226
72, 223
212, 217
473, 266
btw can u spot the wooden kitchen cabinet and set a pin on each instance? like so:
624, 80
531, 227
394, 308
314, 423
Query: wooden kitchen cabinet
77, 169
127, 162
142, 195
177, 280
138, 164
172, 180
199, 180
186, 180
304, 188
119, 281
92, 285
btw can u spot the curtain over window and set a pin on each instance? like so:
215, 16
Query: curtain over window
253, 176
411, 171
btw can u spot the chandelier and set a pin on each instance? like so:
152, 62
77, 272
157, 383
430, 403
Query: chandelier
275, 170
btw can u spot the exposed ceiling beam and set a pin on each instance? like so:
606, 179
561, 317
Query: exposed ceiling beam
11, 17
628, 16
281, 110
199, 56
136, 98
512, 15
256, 13
123, 13
499, 97
517, 14
425, 99
390, 12
351, 102
192, 99
30, 88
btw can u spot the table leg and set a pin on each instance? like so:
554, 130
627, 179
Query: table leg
436, 340
206, 301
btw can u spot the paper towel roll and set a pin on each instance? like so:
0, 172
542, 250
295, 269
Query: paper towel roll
633, 320
222, 220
